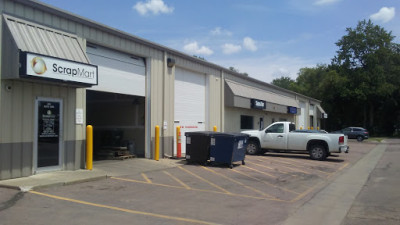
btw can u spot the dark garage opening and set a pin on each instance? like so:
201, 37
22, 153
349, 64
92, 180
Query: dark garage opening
118, 124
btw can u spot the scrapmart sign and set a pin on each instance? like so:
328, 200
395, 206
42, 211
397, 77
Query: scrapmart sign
46, 67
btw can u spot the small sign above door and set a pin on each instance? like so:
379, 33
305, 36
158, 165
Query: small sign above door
258, 104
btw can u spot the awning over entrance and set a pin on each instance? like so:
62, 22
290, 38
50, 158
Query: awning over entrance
43, 54
247, 92
35, 38
322, 113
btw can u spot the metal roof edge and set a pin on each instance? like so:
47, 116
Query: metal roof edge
229, 82
77, 18
238, 83
71, 16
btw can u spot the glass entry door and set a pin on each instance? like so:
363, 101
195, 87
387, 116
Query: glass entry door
48, 137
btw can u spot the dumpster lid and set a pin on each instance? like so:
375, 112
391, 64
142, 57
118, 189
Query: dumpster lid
201, 133
212, 133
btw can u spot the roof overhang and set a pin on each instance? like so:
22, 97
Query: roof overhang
245, 96
61, 56
322, 113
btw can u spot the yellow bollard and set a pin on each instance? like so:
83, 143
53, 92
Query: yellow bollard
215, 128
301, 128
157, 144
89, 147
317, 128
312, 128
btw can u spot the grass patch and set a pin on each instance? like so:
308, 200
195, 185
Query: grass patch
376, 139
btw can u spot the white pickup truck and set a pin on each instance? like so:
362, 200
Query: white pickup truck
282, 136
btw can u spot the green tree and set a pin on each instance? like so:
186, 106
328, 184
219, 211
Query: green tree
309, 81
361, 86
366, 57
285, 82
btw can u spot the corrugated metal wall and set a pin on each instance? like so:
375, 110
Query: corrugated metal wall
159, 99
17, 125
215, 102
160, 76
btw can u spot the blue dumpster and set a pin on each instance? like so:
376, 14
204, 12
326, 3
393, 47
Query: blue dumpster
228, 148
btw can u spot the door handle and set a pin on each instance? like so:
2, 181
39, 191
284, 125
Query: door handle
280, 136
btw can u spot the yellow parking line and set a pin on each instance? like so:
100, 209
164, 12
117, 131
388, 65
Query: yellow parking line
293, 175
143, 182
265, 182
146, 178
177, 180
181, 219
307, 166
260, 165
315, 186
258, 171
200, 190
342, 167
301, 195
313, 162
291, 168
240, 183
308, 162
209, 182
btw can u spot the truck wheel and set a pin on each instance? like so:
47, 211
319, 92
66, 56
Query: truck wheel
318, 152
252, 148
360, 138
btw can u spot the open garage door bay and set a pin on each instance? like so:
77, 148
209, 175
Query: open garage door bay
116, 107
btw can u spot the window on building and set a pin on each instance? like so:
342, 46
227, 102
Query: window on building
311, 121
246, 122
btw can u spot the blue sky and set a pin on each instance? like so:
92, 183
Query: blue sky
265, 38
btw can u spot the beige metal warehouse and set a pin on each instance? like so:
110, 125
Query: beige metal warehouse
61, 72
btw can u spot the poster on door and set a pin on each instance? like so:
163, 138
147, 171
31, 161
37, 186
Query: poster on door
49, 113
48, 133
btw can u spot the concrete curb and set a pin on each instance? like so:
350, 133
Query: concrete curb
27, 186
331, 204
103, 170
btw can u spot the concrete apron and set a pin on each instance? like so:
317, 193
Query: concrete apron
331, 204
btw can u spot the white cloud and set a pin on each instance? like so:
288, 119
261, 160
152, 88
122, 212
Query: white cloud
249, 44
231, 48
194, 48
325, 2
218, 31
152, 6
269, 67
384, 15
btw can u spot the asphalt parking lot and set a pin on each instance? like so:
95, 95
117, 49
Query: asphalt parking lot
264, 191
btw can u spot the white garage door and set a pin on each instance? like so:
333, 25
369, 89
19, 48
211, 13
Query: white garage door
302, 115
118, 72
190, 103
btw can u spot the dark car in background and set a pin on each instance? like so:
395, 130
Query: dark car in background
358, 133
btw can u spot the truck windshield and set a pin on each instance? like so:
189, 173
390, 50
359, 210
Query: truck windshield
277, 128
